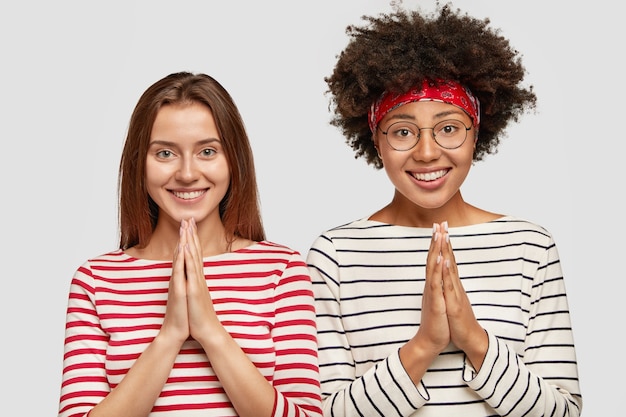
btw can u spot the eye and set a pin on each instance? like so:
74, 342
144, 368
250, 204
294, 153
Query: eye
449, 128
164, 154
208, 152
403, 131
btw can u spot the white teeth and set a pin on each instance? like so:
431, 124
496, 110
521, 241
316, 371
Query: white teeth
430, 176
188, 195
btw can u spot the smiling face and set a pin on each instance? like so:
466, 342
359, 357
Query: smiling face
427, 176
187, 173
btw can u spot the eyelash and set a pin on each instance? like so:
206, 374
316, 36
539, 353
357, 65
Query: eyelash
166, 153
161, 153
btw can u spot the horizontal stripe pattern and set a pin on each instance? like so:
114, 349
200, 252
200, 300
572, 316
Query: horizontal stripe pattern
262, 295
368, 280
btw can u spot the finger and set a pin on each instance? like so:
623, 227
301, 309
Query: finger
448, 284
177, 291
175, 322
457, 302
178, 270
191, 263
183, 232
446, 246
453, 291
194, 239
450, 271
194, 262
194, 268
434, 262
434, 249
433, 329
182, 243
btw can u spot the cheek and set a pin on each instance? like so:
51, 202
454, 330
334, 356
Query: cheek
155, 173
466, 157
392, 159
394, 166
218, 171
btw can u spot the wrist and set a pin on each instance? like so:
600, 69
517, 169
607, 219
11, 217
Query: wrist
416, 359
477, 349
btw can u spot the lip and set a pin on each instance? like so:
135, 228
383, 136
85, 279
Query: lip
188, 195
430, 179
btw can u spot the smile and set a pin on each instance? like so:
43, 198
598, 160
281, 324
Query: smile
430, 176
188, 195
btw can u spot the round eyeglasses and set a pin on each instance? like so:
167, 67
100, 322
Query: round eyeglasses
403, 135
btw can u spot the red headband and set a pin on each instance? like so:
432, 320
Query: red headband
445, 91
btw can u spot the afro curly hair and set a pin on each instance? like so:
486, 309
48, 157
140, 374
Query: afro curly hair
394, 52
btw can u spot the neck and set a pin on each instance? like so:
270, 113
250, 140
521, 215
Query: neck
403, 212
166, 236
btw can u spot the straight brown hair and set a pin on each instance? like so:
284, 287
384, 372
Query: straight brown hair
239, 209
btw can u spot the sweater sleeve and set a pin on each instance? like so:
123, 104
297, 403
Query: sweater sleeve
543, 381
385, 389
296, 378
84, 383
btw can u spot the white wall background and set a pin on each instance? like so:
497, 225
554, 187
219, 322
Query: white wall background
72, 71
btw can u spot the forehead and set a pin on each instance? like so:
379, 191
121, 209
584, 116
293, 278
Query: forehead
183, 120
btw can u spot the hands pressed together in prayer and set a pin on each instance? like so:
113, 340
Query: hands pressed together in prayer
190, 311
447, 314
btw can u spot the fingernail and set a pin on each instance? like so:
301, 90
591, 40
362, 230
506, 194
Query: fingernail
447, 263
445, 226
447, 238
438, 259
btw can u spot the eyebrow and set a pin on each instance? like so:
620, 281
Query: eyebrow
173, 144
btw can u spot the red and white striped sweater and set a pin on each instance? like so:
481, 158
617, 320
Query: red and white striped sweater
262, 295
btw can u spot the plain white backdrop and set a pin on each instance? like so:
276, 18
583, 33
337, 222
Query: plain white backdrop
72, 72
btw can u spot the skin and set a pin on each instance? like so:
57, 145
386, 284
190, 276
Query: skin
447, 315
185, 156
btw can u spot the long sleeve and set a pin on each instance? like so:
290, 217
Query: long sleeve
84, 383
385, 389
296, 377
543, 380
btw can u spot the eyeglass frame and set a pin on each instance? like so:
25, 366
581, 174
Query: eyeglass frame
419, 134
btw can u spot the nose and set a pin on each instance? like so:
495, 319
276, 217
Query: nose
187, 170
426, 148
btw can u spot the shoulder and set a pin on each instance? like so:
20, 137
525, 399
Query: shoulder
113, 257
267, 246
366, 238
96, 268
505, 231
518, 225
360, 227
269, 259
267, 250
365, 230
117, 261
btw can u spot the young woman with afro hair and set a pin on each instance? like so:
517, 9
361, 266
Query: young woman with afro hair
431, 306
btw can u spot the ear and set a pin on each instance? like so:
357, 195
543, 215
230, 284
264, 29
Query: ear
378, 151
375, 140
